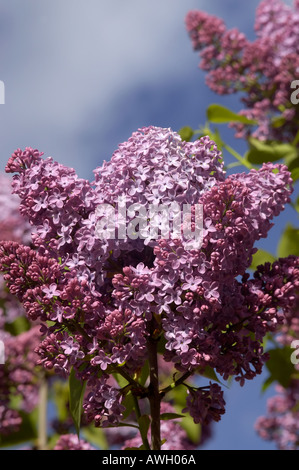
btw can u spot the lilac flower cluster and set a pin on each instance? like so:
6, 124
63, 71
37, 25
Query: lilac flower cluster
18, 379
205, 404
106, 299
281, 423
14, 227
262, 70
72, 442
103, 403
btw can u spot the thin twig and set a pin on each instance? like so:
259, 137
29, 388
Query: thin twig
42, 415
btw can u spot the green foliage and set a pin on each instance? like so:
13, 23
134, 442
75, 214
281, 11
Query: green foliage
18, 326
295, 174
220, 114
144, 424
289, 242
144, 374
186, 133
76, 394
263, 152
60, 396
280, 367
96, 436
168, 416
209, 373
129, 404
261, 257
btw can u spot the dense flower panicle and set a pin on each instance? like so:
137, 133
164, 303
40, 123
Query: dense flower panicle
263, 69
53, 199
18, 378
103, 295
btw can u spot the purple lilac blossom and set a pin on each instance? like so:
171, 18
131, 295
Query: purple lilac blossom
18, 378
72, 442
262, 70
280, 425
103, 294
14, 227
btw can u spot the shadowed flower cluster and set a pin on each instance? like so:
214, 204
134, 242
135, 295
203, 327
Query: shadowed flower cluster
72, 442
19, 379
281, 423
13, 227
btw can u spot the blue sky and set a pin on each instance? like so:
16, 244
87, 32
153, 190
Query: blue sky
81, 75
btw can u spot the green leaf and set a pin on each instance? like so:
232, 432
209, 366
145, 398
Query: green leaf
144, 424
289, 242
186, 133
262, 152
95, 436
144, 373
76, 391
179, 395
242, 160
215, 136
122, 425
168, 416
292, 161
18, 326
278, 121
220, 114
122, 382
295, 174
296, 139
280, 367
267, 383
209, 373
161, 344
261, 257
60, 396
128, 403
192, 429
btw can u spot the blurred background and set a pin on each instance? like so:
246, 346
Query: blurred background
81, 75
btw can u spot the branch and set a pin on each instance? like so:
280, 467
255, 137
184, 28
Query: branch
154, 394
